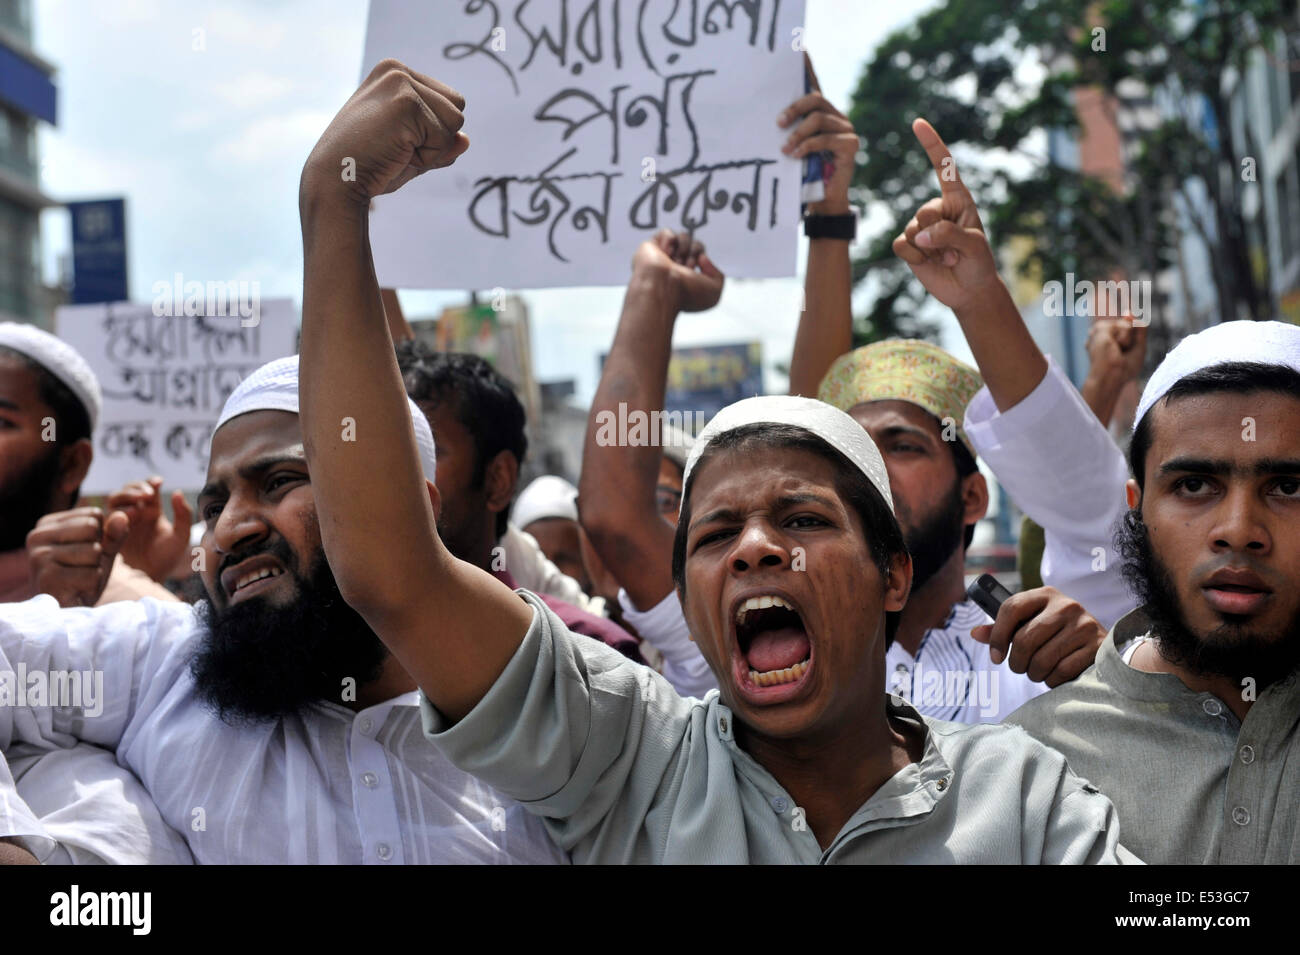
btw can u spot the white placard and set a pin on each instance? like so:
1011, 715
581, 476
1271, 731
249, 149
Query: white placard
592, 124
164, 381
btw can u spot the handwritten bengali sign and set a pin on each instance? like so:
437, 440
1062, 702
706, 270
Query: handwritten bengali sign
592, 124
164, 381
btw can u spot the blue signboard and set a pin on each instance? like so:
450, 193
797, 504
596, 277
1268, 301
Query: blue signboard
98, 251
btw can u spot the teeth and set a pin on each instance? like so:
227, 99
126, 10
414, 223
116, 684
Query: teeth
759, 603
777, 677
256, 576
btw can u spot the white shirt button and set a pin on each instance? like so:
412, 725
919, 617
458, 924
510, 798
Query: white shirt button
367, 724
1241, 816
1247, 754
1213, 707
384, 851
370, 780
780, 804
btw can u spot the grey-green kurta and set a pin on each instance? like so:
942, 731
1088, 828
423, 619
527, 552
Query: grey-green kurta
1191, 783
622, 769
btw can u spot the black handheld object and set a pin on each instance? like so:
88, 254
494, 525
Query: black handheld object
988, 594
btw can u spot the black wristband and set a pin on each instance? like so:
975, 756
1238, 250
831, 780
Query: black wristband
831, 227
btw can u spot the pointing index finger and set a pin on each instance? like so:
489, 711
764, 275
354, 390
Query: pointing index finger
945, 167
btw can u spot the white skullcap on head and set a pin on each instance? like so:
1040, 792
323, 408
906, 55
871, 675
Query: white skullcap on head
676, 443
547, 496
274, 387
58, 358
1270, 343
826, 422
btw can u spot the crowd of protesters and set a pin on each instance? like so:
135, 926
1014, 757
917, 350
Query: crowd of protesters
751, 644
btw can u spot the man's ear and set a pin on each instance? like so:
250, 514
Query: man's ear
974, 498
898, 582
499, 481
1133, 493
74, 463
435, 499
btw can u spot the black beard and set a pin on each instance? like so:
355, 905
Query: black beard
933, 541
259, 663
1233, 649
27, 500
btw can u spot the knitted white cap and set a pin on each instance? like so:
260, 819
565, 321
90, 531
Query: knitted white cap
547, 496
1270, 343
826, 422
58, 358
274, 387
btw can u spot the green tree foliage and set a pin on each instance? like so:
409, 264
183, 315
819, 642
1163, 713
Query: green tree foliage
995, 77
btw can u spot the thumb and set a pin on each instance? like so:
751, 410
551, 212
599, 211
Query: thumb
946, 234
182, 515
981, 633
708, 268
116, 527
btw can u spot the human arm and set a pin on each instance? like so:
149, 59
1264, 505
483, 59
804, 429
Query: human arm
616, 490
382, 543
945, 247
1116, 350
825, 329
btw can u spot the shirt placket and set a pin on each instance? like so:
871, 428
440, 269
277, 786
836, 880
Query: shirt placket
374, 798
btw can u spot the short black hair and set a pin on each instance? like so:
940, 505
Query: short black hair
482, 399
71, 419
884, 536
1238, 377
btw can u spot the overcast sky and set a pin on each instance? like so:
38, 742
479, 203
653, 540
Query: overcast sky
207, 146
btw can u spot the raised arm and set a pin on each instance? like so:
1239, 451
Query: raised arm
616, 492
947, 250
451, 626
825, 329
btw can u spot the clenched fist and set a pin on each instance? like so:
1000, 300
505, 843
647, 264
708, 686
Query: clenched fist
71, 553
397, 125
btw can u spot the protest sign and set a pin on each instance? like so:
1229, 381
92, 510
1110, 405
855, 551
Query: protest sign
592, 124
165, 379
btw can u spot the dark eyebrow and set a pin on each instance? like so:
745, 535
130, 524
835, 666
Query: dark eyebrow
1212, 466
1199, 465
254, 468
897, 430
6, 403
786, 501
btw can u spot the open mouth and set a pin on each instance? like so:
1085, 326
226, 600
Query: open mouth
772, 640
261, 573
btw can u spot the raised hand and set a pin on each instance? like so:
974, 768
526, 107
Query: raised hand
396, 126
1117, 346
1051, 637
820, 127
944, 244
71, 553
680, 260
154, 544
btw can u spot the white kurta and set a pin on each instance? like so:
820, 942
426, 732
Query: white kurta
328, 785
1061, 467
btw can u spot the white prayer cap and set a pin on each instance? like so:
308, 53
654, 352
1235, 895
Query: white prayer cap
1270, 343
274, 387
676, 443
58, 358
547, 496
826, 422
